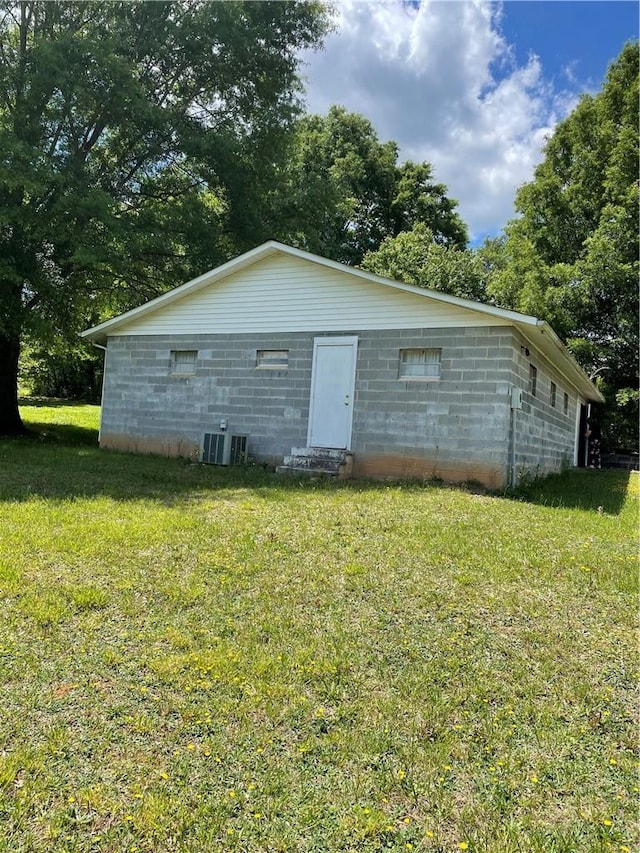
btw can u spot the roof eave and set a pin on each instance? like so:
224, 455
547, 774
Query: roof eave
574, 373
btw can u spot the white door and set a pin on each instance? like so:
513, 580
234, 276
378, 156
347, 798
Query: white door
333, 380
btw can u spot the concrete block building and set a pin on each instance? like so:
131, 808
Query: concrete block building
290, 358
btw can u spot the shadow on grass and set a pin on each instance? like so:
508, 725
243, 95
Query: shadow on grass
52, 403
592, 490
62, 434
63, 462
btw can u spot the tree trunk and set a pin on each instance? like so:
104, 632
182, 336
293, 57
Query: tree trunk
10, 420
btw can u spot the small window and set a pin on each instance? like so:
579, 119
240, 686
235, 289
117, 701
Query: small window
183, 361
420, 363
273, 359
553, 394
566, 404
533, 380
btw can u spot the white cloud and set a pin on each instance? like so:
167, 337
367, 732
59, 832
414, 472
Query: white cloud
440, 79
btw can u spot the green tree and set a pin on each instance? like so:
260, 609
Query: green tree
343, 192
572, 256
131, 133
414, 257
418, 200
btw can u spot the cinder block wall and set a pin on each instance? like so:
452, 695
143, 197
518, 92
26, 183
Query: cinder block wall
147, 409
545, 436
456, 428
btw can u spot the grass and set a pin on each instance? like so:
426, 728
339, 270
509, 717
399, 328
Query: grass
199, 659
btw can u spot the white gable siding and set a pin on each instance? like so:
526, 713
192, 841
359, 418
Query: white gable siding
283, 293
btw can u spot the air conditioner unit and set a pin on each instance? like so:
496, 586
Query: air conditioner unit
222, 448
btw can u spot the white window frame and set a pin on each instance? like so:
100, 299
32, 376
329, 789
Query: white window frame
553, 394
420, 364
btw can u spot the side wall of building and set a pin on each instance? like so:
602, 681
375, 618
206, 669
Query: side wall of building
457, 427
545, 427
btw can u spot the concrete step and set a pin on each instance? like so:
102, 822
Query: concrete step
317, 460
305, 471
322, 452
312, 462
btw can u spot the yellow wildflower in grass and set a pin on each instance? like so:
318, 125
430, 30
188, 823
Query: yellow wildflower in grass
607, 822
463, 845
535, 780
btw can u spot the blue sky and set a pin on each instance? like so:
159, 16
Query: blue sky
584, 36
472, 86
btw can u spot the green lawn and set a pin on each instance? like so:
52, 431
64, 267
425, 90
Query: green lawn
198, 659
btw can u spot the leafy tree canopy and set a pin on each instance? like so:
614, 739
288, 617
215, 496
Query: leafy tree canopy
343, 191
414, 257
572, 255
131, 134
